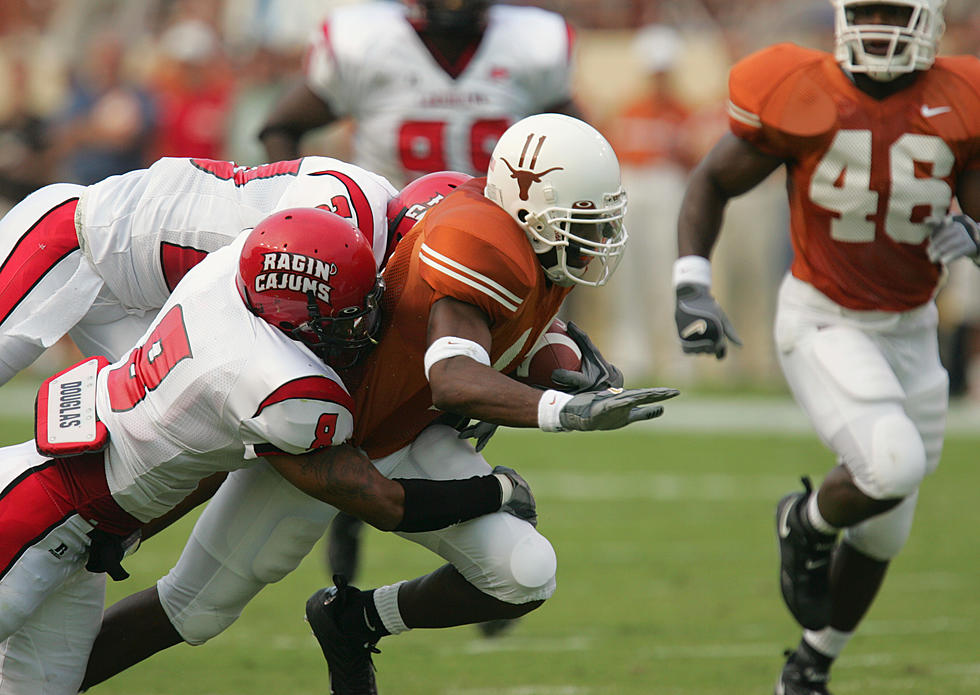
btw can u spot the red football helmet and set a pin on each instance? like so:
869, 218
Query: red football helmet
311, 274
407, 208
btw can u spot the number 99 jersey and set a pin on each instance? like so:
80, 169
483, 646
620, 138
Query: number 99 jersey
415, 116
864, 174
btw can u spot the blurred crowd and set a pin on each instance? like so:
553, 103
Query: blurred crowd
92, 88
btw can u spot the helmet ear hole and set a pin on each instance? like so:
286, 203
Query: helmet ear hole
522, 215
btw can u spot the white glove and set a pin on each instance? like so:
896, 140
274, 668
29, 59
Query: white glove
953, 237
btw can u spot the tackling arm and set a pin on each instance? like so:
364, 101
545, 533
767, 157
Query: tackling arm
299, 111
968, 193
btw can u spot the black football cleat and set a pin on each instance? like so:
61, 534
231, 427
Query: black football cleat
805, 673
348, 657
804, 562
496, 628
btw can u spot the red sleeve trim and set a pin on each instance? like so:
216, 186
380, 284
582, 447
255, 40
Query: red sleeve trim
317, 388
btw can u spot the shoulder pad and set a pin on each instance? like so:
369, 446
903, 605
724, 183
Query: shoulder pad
775, 88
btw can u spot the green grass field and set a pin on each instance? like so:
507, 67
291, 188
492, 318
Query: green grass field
667, 584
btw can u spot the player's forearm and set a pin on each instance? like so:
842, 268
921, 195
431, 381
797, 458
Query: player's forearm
700, 217
462, 386
345, 478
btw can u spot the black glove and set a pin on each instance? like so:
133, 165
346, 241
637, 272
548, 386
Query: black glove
596, 373
521, 503
106, 552
479, 430
612, 408
701, 323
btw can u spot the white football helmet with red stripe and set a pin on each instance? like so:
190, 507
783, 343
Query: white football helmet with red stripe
559, 179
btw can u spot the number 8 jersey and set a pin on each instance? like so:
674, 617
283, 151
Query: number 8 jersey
864, 174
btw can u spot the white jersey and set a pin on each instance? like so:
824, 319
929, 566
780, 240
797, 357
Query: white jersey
143, 230
210, 387
412, 117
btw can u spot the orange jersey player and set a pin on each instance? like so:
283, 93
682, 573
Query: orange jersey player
867, 175
468, 292
467, 248
877, 140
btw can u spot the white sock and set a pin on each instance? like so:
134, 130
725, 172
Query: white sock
828, 641
816, 519
386, 601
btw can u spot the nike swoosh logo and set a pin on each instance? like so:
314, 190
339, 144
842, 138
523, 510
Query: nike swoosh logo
814, 564
784, 521
695, 328
367, 621
929, 112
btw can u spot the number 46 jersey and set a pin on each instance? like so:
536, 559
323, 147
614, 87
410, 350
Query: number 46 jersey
864, 174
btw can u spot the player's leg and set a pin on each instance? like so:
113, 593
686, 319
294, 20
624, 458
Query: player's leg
500, 568
44, 287
344, 545
255, 530
876, 397
51, 605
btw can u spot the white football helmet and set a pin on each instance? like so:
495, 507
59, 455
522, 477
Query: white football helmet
885, 51
559, 179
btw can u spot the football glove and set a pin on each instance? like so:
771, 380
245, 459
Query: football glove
521, 503
596, 373
701, 323
612, 408
479, 430
952, 237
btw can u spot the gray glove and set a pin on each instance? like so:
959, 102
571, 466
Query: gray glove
952, 237
701, 323
479, 430
612, 408
521, 503
595, 373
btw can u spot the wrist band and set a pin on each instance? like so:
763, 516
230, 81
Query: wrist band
549, 408
506, 488
692, 270
448, 346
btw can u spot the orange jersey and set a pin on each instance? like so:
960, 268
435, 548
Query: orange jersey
863, 174
467, 247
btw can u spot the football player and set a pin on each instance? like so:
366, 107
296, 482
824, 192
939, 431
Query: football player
877, 140
98, 262
429, 84
469, 290
236, 367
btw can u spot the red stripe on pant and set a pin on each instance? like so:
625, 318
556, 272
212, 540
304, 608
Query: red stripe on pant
41, 248
43, 497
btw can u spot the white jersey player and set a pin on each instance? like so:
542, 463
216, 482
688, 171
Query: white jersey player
430, 88
234, 369
97, 262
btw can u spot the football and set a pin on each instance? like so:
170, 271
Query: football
554, 350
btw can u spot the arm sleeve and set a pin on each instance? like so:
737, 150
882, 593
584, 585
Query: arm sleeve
300, 416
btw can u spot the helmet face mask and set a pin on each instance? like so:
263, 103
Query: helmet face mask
559, 180
885, 40
311, 274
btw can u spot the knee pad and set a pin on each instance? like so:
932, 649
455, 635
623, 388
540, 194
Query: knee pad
883, 536
519, 569
884, 454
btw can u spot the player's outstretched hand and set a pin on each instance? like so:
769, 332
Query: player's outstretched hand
595, 373
952, 237
612, 408
521, 503
701, 323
